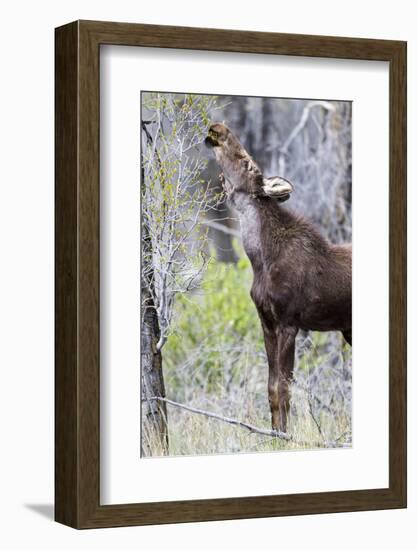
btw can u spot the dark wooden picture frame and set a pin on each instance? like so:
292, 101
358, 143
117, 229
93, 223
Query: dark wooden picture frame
77, 372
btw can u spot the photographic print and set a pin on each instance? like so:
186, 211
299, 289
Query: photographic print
245, 274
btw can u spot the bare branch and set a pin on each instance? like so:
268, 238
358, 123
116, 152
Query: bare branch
303, 120
221, 227
253, 429
299, 128
234, 421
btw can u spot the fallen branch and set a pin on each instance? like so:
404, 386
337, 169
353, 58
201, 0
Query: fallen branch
234, 421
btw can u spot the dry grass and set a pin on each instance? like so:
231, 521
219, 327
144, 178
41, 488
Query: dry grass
320, 405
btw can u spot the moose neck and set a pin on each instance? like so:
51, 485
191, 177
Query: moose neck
251, 211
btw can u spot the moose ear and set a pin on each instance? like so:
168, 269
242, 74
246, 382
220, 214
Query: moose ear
278, 188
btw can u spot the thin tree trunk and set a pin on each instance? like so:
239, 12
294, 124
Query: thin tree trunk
154, 413
154, 424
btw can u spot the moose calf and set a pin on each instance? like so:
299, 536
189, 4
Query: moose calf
301, 281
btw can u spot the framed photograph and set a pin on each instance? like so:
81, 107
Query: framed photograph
230, 274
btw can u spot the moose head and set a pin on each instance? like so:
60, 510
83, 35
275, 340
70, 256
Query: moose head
241, 173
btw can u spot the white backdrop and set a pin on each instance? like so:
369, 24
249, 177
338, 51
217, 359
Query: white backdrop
26, 290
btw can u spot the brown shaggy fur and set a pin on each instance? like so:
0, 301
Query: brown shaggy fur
301, 281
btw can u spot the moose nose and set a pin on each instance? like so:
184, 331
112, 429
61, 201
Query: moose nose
208, 142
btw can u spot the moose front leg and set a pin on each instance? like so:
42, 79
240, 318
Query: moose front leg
285, 368
270, 339
280, 347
